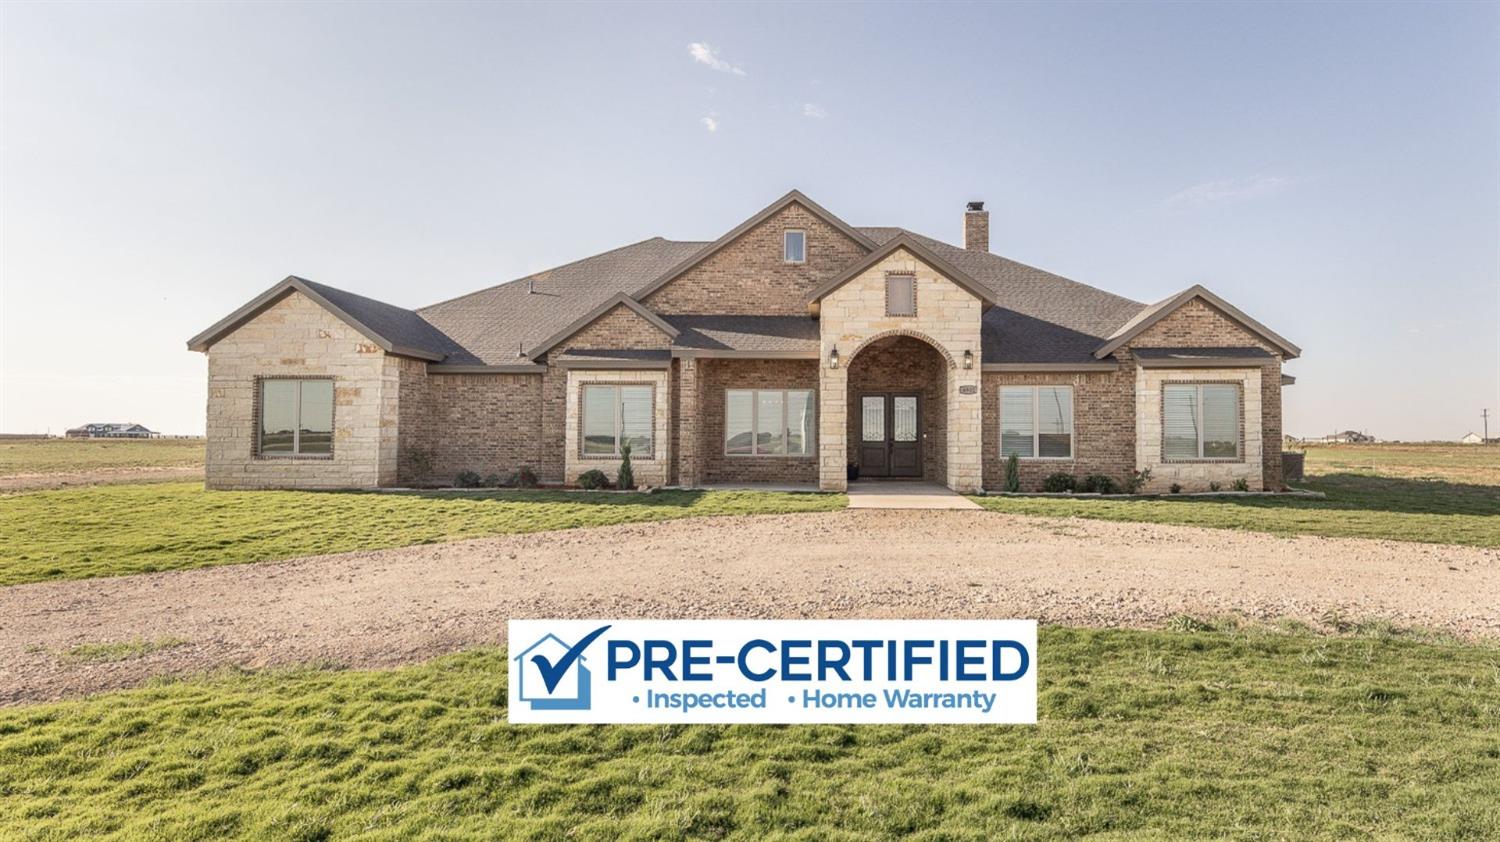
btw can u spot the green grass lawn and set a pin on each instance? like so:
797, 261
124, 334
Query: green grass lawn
120, 529
54, 456
1357, 506
1243, 734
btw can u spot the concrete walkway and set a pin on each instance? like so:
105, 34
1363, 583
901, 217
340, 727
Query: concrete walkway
875, 494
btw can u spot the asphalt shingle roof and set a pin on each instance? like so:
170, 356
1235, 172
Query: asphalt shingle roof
397, 325
746, 333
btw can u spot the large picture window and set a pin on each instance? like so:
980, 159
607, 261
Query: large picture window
1036, 422
613, 415
1200, 421
296, 417
769, 422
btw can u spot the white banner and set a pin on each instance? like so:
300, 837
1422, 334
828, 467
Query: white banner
773, 671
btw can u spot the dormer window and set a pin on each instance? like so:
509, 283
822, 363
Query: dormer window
794, 246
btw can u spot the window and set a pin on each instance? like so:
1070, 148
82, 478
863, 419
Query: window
617, 414
296, 417
794, 246
900, 294
1036, 422
769, 422
1200, 421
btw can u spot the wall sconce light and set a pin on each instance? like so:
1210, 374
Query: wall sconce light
968, 359
833, 357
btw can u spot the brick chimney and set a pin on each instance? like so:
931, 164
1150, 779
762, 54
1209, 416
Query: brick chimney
977, 227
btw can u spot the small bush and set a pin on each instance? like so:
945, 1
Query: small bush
1137, 481
626, 477
1214, 486
1098, 483
493, 481
1241, 484
419, 462
467, 479
1013, 474
1176, 488
593, 479
1059, 482
523, 477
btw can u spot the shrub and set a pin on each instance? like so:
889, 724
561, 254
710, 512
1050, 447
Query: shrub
468, 479
1059, 482
626, 477
1176, 488
1098, 483
493, 481
523, 477
419, 462
593, 479
1137, 481
1013, 474
1241, 484
1214, 486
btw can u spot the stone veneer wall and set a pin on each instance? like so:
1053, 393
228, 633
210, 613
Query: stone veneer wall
653, 471
1103, 426
295, 337
1196, 474
1200, 324
748, 276
904, 364
713, 377
948, 318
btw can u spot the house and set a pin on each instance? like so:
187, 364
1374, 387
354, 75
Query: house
111, 431
1472, 438
795, 348
1346, 437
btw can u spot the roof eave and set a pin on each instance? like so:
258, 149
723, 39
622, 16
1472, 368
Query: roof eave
1133, 328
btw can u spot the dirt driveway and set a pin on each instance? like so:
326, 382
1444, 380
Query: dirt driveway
393, 606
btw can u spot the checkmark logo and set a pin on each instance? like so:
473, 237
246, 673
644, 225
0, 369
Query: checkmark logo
553, 673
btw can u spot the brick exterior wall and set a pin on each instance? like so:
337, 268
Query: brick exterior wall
295, 337
487, 423
649, 470
749, 277
620, 327
904, 364
1200, 324
1103, 427
714, 376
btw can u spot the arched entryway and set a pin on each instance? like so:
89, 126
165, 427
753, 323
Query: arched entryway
898, 409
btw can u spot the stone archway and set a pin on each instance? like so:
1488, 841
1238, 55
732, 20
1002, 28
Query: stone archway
898, 367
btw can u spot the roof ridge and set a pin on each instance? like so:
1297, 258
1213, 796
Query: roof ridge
1026, 266
556, 268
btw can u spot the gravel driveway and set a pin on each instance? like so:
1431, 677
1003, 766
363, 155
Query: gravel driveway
388, 607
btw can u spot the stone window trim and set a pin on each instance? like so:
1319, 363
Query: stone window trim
1035, 414
911, 278
255, 419
812, 444
784, 234
1239, 424
615, 457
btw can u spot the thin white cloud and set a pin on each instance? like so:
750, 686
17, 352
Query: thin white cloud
1224, 190
709, 123
813, 111
709, 55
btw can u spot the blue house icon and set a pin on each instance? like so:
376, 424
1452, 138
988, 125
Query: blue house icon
572, 693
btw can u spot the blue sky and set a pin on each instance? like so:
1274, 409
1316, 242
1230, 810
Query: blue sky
1334, 170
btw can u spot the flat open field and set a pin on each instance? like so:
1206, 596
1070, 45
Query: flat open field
1197, 733
1457, 463
30, 464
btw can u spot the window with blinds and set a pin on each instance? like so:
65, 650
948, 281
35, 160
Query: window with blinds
615, 415
1200, 421
1036, 422
900, 294
769, 422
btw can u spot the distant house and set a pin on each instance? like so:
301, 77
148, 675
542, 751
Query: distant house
127, 430
1471, 438
1346, 437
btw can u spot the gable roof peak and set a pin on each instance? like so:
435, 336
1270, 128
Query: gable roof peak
792, 197
908, 241
1167, 306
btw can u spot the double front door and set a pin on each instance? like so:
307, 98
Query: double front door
890, 438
